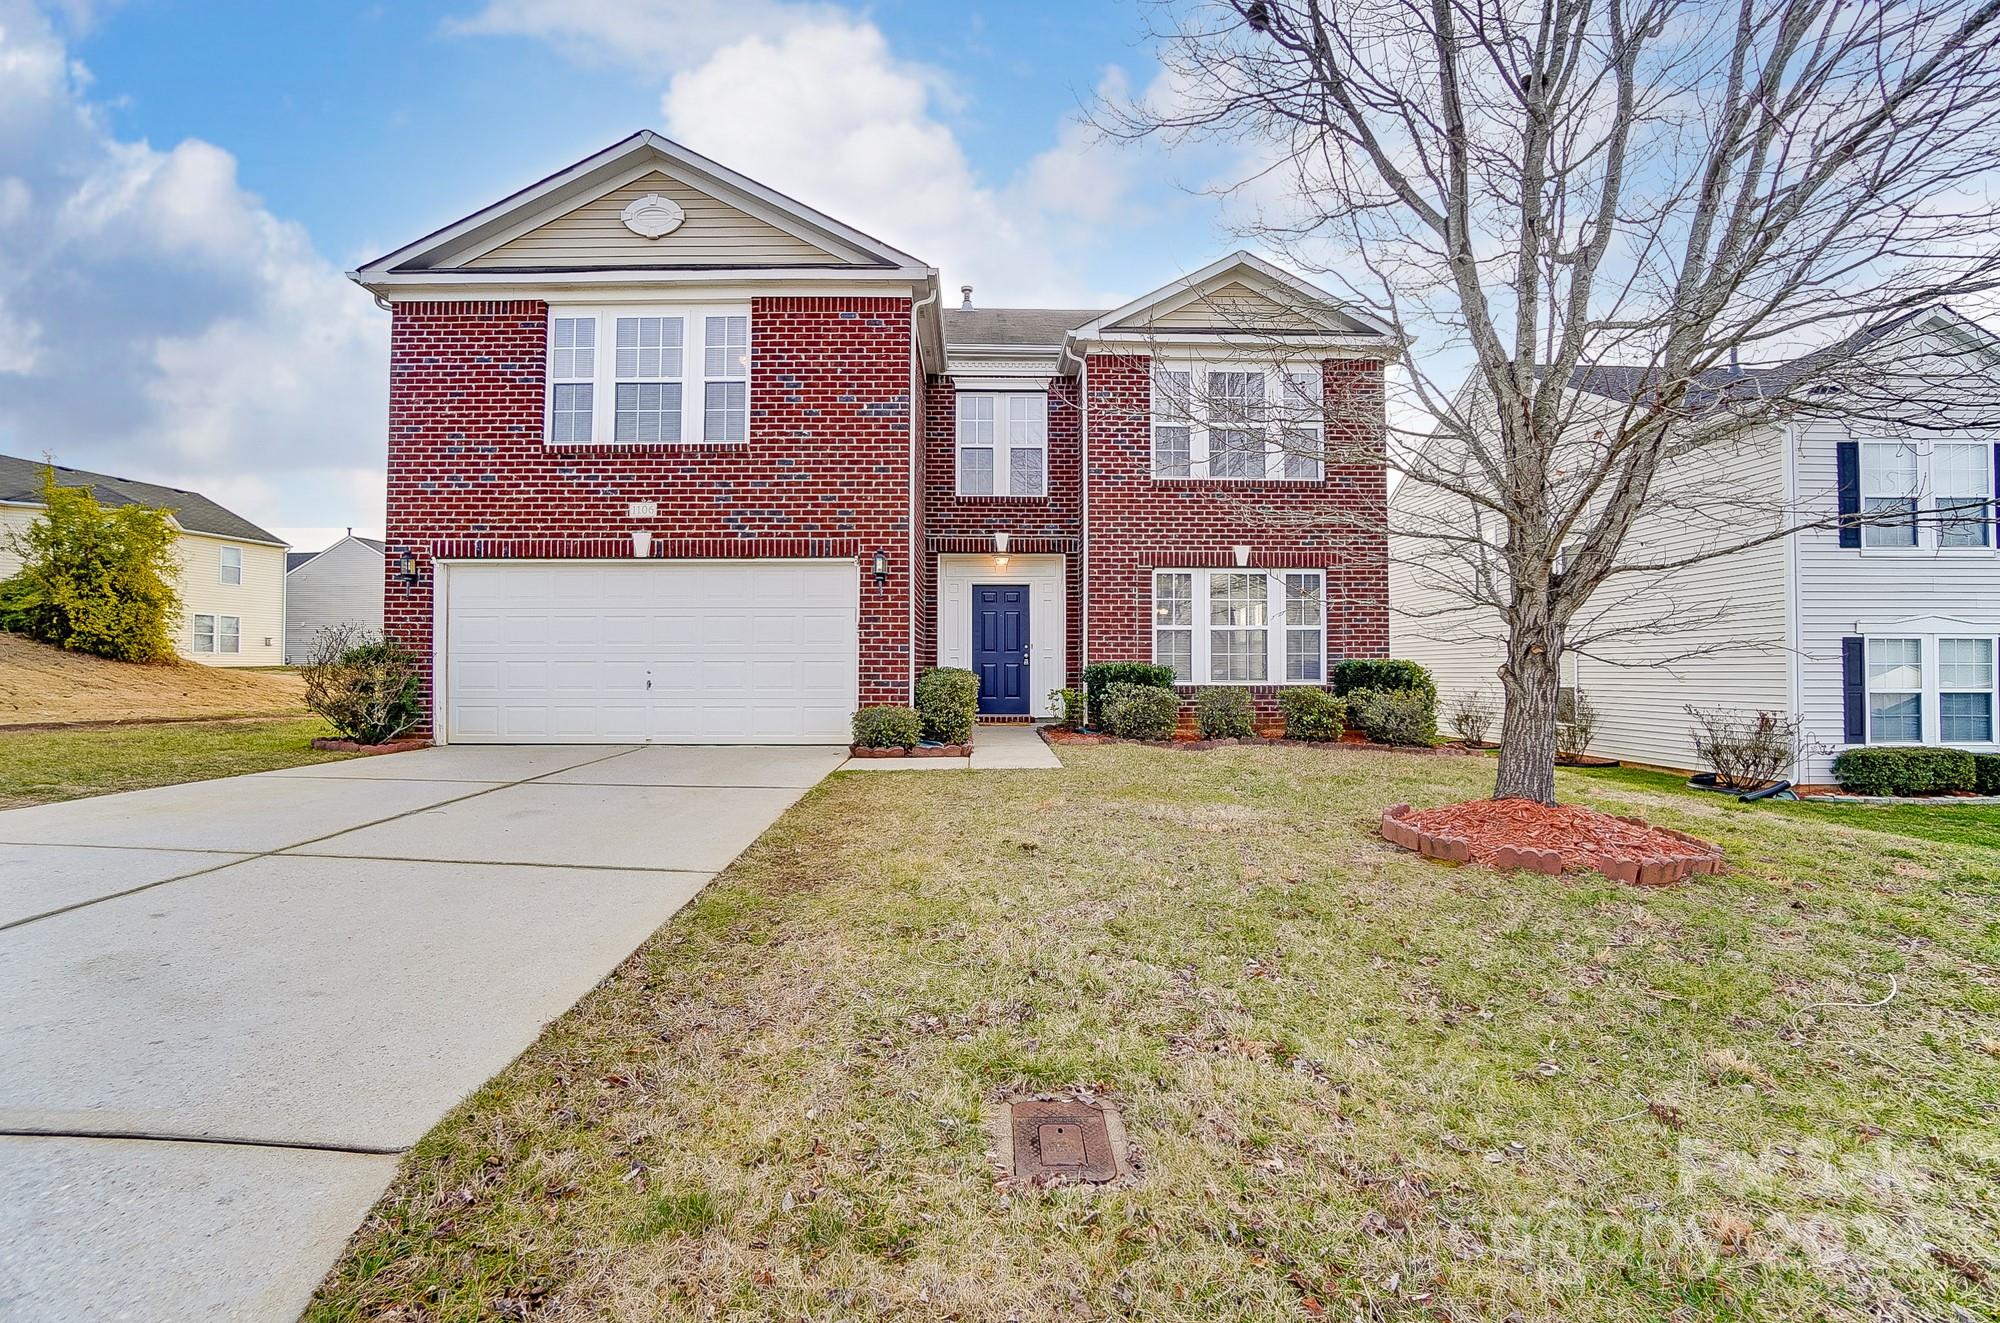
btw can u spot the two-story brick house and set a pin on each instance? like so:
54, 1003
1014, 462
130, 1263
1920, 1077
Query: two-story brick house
673, 457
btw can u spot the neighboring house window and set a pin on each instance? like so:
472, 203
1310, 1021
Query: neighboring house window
1965, 691
1964, 478
1003, 443
232, 565
218, 634
1255, 628
1958, 514
647, 375
1895, 691
1235, 424
1889, 495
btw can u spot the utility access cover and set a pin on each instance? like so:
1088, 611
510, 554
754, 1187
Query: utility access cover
1065, 1139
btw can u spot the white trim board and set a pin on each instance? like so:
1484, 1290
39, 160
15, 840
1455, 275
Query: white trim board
1048, 616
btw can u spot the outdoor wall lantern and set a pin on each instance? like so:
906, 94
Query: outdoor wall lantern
1000, 549
1242, 555
881, 568
406, 568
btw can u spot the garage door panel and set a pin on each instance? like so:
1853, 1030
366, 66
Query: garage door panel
619, 652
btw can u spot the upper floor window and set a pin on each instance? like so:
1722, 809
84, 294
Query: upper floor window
671, 374
1003, 443
1237, 422
1940, 496
1240, 626
232, 565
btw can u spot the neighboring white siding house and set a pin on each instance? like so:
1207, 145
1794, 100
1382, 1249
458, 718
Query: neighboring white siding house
1866, 643
324, 590
231, 572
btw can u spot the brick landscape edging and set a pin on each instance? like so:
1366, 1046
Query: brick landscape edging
355, 746
921, 751
1704, 857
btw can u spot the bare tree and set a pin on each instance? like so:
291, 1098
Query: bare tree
1603, 214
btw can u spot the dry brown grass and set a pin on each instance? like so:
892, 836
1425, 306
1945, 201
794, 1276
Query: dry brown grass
41, 685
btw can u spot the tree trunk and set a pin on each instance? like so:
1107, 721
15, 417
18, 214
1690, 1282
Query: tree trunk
1529, 681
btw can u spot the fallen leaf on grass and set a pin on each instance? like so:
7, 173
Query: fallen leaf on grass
1667, 1115
1731, 1232
1972, 1270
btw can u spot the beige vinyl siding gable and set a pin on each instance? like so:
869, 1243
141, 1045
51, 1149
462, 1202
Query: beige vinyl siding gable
1232, 306
714, 234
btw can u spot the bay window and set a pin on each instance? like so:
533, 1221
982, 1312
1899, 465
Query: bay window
1003, 443
671, 375
1238, 423
1240, 626
1928, 690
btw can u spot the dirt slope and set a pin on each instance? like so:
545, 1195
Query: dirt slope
40, 684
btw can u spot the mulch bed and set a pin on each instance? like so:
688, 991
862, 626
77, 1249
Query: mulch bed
1058, 735
1550, 838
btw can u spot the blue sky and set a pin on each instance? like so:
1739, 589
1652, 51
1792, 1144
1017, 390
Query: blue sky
182, 183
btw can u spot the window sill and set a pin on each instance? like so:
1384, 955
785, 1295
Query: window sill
638, 447
1237, 483
962, 499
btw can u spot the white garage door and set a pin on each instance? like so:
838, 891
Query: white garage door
671, 652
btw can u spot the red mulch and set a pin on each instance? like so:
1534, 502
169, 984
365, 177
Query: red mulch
1579, 835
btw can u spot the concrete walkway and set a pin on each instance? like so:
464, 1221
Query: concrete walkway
1002, 746
227, 1007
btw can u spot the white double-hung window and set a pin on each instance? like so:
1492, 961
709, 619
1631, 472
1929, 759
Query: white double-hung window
1003, 443
230, 569
1939, 496
648, 375
216, 633
1240, 626
1928, 690
1236, 422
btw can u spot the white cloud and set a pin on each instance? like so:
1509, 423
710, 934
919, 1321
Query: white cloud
157, 321
645, 34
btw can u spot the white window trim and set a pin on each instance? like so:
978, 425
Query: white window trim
1275, 453
693, 377
1276, 628
223, 566
214, 647
1931, 714
1003, 468
1927, 512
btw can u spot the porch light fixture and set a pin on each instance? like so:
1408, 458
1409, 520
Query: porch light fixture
642, 543
1242, 555
881, 568
406, 567
1000, 550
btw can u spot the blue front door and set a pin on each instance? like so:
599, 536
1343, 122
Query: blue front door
1000, 648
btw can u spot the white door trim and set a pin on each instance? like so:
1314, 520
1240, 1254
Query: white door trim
1047, 580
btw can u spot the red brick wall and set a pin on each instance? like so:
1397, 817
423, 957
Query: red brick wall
1138, 523
827, 467
1058, 515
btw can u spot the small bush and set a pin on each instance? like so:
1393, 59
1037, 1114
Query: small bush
1576, 725
1472, 716
1358, 673
1141, 711
1394, 716
888, 727
1986, 773
948, 702
1744, 752
368, 687
1068, 703
1224, 714
1905, 771
1312, 714
1098, 677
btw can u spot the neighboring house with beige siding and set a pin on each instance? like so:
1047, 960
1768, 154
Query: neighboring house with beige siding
1882, 631
231, 572
324, 590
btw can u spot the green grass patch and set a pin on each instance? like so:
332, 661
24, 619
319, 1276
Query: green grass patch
1358, 1083
38, 767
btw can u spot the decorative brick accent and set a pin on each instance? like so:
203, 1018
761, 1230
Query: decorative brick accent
829, 463
1138, 523
1702, 856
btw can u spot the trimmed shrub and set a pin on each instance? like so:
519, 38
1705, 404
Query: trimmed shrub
1224, 713
1098, 677
1986, 773
1905, 771
1358, 673
948, 703
888, 727
1312, 714
1394, 716
366, 686
1141, 711
1068, 702
94, 579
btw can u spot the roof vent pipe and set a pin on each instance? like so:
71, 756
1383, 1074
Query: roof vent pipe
965, 298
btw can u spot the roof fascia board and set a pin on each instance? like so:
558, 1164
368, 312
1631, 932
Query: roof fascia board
595, 277
1190, 287
173, 519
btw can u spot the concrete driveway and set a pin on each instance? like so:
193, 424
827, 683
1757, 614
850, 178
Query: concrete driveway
227, 1007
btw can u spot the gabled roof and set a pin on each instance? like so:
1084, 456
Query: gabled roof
294, 559
633, 158
21, 484
1323, 316
1036, 327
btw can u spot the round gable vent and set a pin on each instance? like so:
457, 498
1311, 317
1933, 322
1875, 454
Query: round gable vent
652, 216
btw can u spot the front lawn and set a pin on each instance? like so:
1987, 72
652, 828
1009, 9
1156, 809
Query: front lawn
1359, 1085
37, 767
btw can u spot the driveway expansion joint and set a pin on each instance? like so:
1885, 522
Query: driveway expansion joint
177, 1137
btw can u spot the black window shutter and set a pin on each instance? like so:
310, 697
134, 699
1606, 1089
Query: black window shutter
1853, 691
1847, 479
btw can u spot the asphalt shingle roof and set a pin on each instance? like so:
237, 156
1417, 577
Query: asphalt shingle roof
1013, 326
21, 482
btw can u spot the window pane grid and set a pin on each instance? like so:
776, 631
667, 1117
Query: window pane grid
1889, 495
1003, 444
1965, 691
1895, 690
